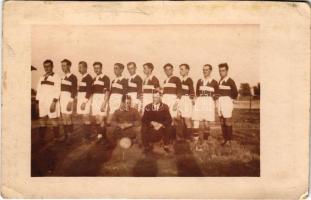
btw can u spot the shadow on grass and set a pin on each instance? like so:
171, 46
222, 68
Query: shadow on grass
146, 167
185, 161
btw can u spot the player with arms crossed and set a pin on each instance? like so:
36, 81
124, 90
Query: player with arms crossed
118, 89
84, 99
68, 93
204, 109
151, 84
135, 84
48, 93
171, 96
227, 92
100, 97
187, 99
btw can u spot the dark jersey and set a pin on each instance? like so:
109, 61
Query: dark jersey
101, 84
172, 85
135, 84
119, 86
187, 87
206, 88
151, 84
227, 87
85, 85
69, 84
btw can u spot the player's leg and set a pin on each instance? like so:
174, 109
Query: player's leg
228, 125
206, 130
86, 127
188, 127
42, 129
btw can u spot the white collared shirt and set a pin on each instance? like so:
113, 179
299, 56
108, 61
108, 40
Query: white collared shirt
148, 78
224, 79
206, 80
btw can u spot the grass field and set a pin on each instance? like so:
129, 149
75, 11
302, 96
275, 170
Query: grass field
242, 158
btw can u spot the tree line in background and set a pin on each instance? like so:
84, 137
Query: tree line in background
246, 92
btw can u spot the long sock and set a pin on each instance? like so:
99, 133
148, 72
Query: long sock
104, 130
229, 132
195, 134
86, 130
189, 133
224, 132
66, 129
56, 131
70, 128
206, 133
42, 133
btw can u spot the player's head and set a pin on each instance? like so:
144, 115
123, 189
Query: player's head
82, 67
156, 97
66, 64
184, 69
207, 70
223, 69
118, 69
148, 68
98, 67
126, 101
131, 67
48, 66
168, 69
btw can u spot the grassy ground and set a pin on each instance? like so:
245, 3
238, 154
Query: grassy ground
242, 158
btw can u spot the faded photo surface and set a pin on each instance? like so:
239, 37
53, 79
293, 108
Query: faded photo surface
197, 144
155, 99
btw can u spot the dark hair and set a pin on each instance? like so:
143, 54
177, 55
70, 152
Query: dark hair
48, 62
149, 65
168, 65
208, 65
186, 65
131, 63
98, 63
68, 62
119, 65
83, 63
225, 65
156, 92
125, 97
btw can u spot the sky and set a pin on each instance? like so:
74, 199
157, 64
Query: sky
196, 45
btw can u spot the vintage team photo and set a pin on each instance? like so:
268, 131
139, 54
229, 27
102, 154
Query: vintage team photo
141, 101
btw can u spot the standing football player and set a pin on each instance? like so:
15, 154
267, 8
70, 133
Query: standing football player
48, 93
151, 85
187, 99
118, 89
227, 92
100, 96
135, 84
68, 93
204, 109
172, 93
84, 99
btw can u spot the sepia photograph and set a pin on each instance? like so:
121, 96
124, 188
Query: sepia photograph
155, 100
145, 100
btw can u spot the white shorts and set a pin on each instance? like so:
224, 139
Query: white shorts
185, 107
135, 101
225, 106
65, 98
204, 109
81, 99
97, 101
170, 100
114, 102
44, 108
147, 99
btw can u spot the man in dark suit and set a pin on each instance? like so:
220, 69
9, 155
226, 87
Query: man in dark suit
156, 124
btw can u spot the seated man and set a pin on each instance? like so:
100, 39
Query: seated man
125, 122
156, 124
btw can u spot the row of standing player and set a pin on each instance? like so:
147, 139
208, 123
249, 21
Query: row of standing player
101, 97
